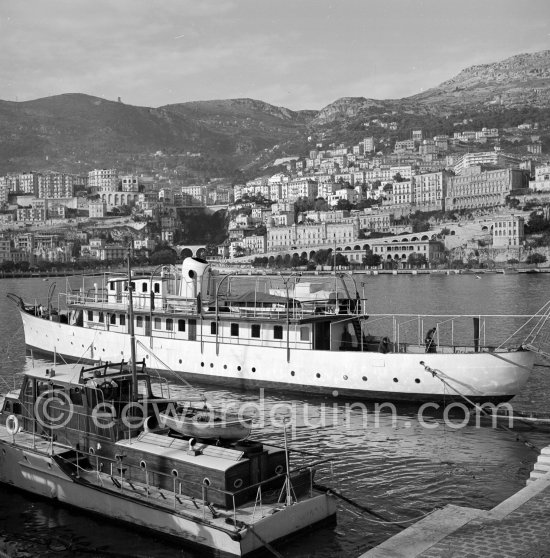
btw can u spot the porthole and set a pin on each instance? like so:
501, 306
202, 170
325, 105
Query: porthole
92, 451
142, 464
225, 366
318, 375
239, 368
180, 361
253, 369
364, 378
238, 483
175, 473
206, 481
395, 380
279, 470
202, 364
211, 365
417, 380
345, 377
293, 373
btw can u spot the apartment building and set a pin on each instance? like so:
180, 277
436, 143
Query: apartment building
403, 192
430, 191
488, 158
542, 179
254, 244
399, 250
375, 221
299, 188
310, 235
103, 180
129, 183
55, 186
508, 231
476, 188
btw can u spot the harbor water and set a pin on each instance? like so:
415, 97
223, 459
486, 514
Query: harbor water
400, 464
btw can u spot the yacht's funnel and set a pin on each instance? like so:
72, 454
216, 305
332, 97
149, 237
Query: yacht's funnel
196, 274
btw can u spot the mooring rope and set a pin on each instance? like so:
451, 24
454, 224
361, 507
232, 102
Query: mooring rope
379, 517
441, 376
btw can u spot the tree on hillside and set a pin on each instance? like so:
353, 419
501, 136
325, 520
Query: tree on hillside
371, 260
163, 256
343, 205
417, 260
398, 178
535, 258
537, 223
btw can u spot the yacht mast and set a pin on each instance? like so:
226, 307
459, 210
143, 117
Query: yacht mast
131, 331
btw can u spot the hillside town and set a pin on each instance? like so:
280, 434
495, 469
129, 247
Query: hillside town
419, 202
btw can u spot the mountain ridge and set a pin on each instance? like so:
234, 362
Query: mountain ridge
79, 131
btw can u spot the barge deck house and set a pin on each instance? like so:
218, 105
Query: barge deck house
71, 434
188, 320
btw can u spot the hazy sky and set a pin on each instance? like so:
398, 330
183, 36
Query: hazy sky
294, 53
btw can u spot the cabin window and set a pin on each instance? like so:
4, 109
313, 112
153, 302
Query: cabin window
156, 287
277, 332
139, 321
112, 319
28, 387
238, 483
101, 317
133, 286
169, 324
42, 386
255, 330
235, 330
174, 473
75, 395
157, 323
213, 328
111, 285
304, 333
122, 319
144, 287
90, 316
143, 388
181, 325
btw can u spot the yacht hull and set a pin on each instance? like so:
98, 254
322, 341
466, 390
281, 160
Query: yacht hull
482, 377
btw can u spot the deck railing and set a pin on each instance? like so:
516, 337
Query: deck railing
173, 490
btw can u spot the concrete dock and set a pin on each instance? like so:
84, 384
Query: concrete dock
518, 527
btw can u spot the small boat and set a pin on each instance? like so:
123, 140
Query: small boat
93, 438
83, 437
207, 424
